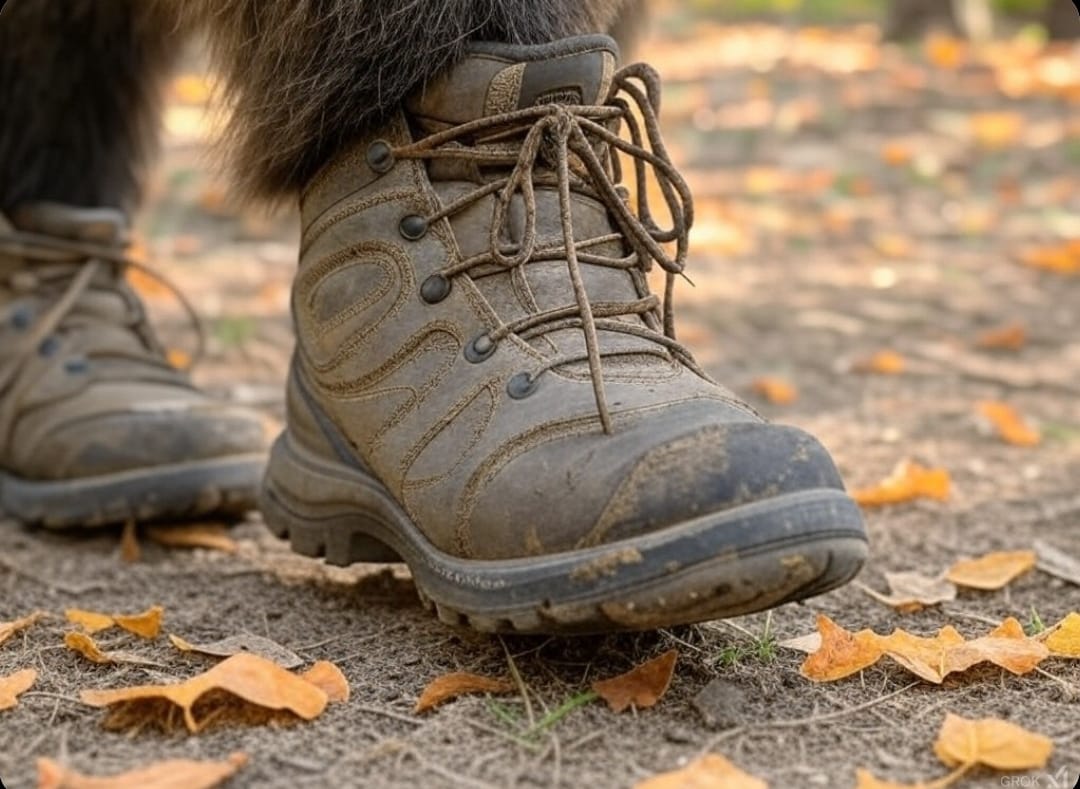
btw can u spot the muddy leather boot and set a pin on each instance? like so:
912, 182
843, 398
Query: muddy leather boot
485, 387
96, 426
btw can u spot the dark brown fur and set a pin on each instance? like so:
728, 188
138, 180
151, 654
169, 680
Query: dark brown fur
79, 79
79, 95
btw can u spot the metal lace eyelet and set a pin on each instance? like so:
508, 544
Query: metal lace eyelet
413, 227
480, 348
380, 157
435, 288
48, 347
76, 366
521, 386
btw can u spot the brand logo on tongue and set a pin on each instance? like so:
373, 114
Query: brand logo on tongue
560, 96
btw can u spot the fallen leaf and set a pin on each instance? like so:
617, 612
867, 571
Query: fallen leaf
179, 359
775, 390
328, 678
996, 129
146, 625
897, 153
945, 52
841, 653
244, 642
264, 686
909, 481
195, 535
1011, 337
642, 686
1064, 639
15, 684
8, 629
910, 591
992, 571
450, 686
89, 649
710, 771
866, 780
169, 774
809, 643
932, 658
883, 362
892, 245
1010, 426
1057, 258
990, 742
1057, 563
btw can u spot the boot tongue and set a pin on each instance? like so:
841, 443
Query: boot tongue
497, 78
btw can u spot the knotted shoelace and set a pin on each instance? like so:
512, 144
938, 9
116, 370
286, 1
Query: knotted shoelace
576, 148
54, 262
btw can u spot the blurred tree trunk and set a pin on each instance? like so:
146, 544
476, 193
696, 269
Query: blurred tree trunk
1062, 20
914, 18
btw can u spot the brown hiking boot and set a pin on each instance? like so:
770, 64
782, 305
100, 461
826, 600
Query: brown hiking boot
485, 387
96, 426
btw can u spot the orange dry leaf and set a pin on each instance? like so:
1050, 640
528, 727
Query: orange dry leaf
642, 686
909, 481
1011, 337
147, 624
884, 362
328, 677
89, 649
13, 685
897, 153
775, 390
170, 774
450, 686
990, 742
260, 683
710, 771
194, 535
945, 52
1064, 639
1009, 424
991, 571
841, 653
1058, 258
8, 629
242, 642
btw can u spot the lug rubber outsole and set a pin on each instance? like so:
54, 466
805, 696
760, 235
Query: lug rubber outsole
745, 559
180, 491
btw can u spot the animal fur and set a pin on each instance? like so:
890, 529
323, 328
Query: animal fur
79, 79
79, 99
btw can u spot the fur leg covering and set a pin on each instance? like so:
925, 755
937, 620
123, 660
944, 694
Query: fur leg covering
305, 77
79, 98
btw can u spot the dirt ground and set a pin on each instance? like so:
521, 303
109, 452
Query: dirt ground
852, 197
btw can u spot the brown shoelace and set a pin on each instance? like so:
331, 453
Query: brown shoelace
581, 145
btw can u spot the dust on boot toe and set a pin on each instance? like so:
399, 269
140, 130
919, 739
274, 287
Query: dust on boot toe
96, 426
485, 387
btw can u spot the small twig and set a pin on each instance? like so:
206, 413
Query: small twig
522, 689
385, 713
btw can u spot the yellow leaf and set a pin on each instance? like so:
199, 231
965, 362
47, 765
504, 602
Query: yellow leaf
841, 653
1011, 337
1064, 640
259, 682
90, 621
924, 657
710, 771
996, 129
194, 535
991, 571
775, 390
909, 481
450, 686
884, 362
897, 153
85, 646
170, 774
13, 685
8, 629
990, 742
1058, 259
642, 686
945, 52
147, 624
1008, 423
